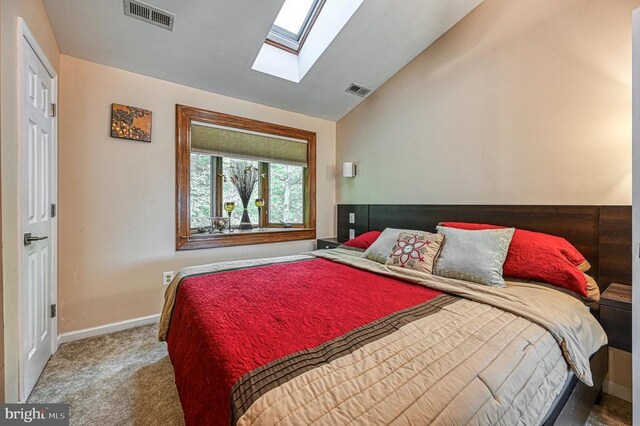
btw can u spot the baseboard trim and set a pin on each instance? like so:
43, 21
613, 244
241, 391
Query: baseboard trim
617, 390
107, 328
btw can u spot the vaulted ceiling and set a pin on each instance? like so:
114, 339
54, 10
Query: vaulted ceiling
215, 43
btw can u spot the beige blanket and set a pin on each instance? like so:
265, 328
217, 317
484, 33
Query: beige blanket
569, 321
489, 356
467, 363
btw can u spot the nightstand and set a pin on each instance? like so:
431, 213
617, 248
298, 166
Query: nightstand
615, 315
327, 243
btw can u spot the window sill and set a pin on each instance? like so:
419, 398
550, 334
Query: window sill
240, 238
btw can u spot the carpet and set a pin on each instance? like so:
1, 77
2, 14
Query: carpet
126, 378
123, 378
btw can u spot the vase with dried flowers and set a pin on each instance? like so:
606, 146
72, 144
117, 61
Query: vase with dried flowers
244, 176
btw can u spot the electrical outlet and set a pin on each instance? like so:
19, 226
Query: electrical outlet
167, 277
352, 218
352, 234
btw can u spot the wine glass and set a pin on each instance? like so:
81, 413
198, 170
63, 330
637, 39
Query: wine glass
229, 206
259, 205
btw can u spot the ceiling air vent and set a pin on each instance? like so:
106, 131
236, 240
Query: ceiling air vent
358, 90
149, 14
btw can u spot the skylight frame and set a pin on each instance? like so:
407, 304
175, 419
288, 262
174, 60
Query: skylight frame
290, 42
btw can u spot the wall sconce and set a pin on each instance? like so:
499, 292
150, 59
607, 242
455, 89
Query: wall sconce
348, 170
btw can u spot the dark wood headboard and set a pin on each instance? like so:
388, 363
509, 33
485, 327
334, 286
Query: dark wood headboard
601, 233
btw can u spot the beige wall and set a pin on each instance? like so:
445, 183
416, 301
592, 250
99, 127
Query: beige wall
32, 11
117, 197
520, 102
619, 381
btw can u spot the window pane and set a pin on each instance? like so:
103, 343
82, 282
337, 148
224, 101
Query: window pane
200, 190
246, 170
293, 14
286, 194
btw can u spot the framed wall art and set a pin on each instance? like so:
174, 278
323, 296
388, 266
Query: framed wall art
130, 123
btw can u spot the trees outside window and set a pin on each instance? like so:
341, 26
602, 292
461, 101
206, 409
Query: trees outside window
285, 200
286, 194
201, 191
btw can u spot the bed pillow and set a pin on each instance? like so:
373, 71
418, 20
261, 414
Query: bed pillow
363, 241
380, 250
540, 257
475, 256
417, 251
593, 291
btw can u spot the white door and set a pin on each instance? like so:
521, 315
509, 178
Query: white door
36, 286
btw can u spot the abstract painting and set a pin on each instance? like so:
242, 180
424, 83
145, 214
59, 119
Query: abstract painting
130, 123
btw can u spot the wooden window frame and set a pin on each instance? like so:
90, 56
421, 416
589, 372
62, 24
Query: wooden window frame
185, 240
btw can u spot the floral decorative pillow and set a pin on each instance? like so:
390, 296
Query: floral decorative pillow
416, 251
380, 250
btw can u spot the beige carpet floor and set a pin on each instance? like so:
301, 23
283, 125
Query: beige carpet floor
126, 378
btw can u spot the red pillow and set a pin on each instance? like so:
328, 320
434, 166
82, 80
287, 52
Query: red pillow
363, 241
539, 257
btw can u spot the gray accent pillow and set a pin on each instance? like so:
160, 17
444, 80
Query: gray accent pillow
475, 256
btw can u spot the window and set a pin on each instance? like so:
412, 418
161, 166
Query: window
286, 194
293, 23
202, 193
223, 158
284, 204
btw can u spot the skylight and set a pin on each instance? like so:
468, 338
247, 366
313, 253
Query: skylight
293, 15
283, 55
293, 24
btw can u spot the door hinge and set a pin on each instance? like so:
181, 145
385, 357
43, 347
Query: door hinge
53, 210
54, 310
53, 110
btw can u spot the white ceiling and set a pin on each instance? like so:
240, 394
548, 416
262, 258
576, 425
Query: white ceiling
215, 43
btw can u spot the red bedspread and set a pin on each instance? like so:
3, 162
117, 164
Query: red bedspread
229, 323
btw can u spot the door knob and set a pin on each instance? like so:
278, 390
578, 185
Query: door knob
28, 239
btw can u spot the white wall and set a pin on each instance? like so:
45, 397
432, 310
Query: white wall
117, 197
636, 215
521, 102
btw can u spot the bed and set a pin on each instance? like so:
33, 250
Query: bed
328, 337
